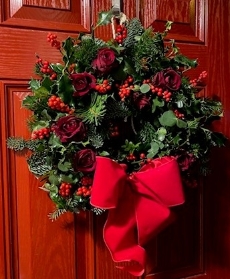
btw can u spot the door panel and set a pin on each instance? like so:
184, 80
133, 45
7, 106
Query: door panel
63, 15
33, 247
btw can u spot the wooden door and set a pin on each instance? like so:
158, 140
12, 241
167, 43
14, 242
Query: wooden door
33, 247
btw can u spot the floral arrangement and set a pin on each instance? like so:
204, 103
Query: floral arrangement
127, 99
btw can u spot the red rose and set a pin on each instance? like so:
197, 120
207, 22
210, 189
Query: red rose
83, 83
70, 128
167, 79
185, 160
105, 61
84, 160
141, 100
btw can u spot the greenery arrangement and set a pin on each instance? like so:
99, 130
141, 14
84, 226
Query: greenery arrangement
127, 99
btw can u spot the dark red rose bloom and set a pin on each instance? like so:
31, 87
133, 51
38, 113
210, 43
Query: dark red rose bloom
70, 128
141, 100
167, 79
83, 83
185, 160
84, 160
105, 61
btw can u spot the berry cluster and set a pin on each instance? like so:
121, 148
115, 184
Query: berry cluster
121, 33
86, 181
85, 189
40, 134
131, 157
125, 88
56, 103
200, 80
45, 68
52, 39
114, 131
191, 182
65, 189
178, 114
166, 95
103, 87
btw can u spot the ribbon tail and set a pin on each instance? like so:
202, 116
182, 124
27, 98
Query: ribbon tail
120, 235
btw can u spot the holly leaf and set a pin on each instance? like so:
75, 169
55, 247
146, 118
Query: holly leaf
34, 84
68, 179
104, 18
64, 167
157, 103
65, 89
54, 141
68, 51
183, 60
168, 118
47, 83
128, 68
57, 68
41, 92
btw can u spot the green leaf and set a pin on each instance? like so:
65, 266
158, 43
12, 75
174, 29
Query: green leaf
120, 73
161, 132
128, 68
176, 139
168, 118
65, 89
57, 68
104, 153
168, 25
64, 167
53, 195
144, 88
157, 103
153, 150
47, 83
67, 46
181, 124
183, 60
104, 18
46, 115
34, 84
54, 141
51, 187
68, 178
41, 92
54, 179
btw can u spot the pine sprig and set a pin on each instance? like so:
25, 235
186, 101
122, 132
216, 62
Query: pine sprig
96, 112
85, 52
38, 164
17, 144
56, 213
134, 29
95, 138
116, 109
147, 133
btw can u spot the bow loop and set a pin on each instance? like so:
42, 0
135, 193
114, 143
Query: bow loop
161, 181
108, 183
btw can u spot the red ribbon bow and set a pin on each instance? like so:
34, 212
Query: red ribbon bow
138, 206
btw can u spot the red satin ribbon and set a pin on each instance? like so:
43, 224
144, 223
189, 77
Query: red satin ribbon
138, 206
